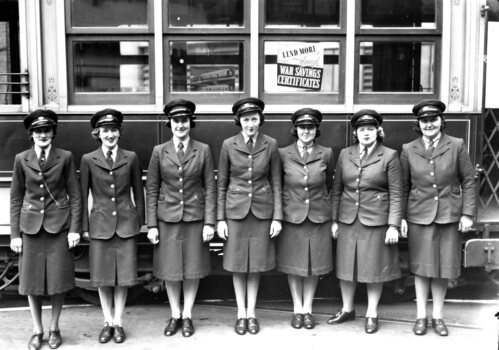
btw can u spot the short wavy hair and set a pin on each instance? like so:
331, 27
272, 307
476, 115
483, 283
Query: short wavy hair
294, 132
417, 128
379, 138
96, 133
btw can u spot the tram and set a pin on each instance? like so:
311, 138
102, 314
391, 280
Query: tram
78, 56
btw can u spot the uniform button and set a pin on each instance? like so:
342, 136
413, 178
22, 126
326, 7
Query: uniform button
356, 203
432, 173
180, 179
112, 185
356, 191
42, 211
431, 161
434, 185
360, 169
40, 174
357, 179
250, 195
250, 156
436, 198
179, 168
305, 177
114, 213
249, 181
113, 199
41, 186
305, 167
180, 190
110, 173
250, 169
306, 189
306, 201
42, 198
181, 202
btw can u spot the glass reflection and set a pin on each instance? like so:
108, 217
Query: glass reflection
111, 66
302, 13
397, 66
276, 77
204, 13
206, 66
9, 53
109, 13
398, 13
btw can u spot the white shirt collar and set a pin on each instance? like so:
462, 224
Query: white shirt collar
38, 151
369, 149
176, 141
301, 145
246, 137
114, 151
426, 141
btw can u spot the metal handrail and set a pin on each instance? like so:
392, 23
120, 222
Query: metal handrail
24, 84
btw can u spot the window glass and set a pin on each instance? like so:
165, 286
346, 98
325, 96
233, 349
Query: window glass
111, 66
212, 13
397, 66
302, 13
9, 53
292, 66
206, 66
398, 13
109, 13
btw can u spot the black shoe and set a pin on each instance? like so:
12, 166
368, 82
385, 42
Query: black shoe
341, 316
297, 321
55, 339
35, 342
420, 326
106, 334
187, 327
173, 325
440, 327
308, 321
119, 334
241, 326
253, 325
371, 325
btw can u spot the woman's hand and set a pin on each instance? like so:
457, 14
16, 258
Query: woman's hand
153, 235
73, 239
222, 230
465, 223
403, 228
392, 235
16, 244
86, 236
334, 230
275, 228
208, 233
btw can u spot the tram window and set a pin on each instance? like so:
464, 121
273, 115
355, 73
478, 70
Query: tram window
398, 13
9, 53
302, 13
109, 13
206, 66
314, 68
206, 13
113, 68
397, 66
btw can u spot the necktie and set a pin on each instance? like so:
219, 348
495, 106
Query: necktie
250, 144
364, 155
431, 147
180, 151
109, 159
42, 159
305, 154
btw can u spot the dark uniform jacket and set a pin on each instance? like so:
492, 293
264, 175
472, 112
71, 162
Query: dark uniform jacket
372, 191
113, 210
181, 190
306, 186
439, 187
48, 198
249, 180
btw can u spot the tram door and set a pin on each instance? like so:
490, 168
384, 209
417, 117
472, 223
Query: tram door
10, 79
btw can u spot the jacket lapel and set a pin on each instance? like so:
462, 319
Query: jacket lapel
260, 144
53, 159
420, 149
99, 159
191, 151
240, 145
294, 154
32, 160
354, 155
171, 152
442, 146
374, 156
315, 155
121, 159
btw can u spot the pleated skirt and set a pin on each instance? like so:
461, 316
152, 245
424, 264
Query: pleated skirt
305, 249
46, 264
435, 250
249, 247
181, 253
362, 255
113, 262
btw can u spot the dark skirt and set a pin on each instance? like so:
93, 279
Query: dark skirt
181, 253
46, 265
113, 262
305, 249
363, 256
435, 250
249, 247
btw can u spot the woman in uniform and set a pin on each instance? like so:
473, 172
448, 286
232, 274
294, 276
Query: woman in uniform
439, 201
181, 200
45, 217
111, 174
304, 248
367, 210
249, 207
